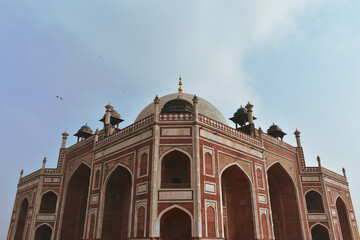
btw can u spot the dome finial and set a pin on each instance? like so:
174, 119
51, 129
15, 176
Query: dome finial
180, 84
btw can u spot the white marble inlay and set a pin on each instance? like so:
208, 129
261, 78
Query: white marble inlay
141, 188
210, 188
262, 198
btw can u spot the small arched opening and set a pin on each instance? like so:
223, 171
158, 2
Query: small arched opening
314, 202
21, 220
175, 224
48, 202
319, 232
285, 212
75, 204
43, 232
237, 204
343, 219
117, 205
175, 170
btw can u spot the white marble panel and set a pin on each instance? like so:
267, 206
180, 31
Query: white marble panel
175, 195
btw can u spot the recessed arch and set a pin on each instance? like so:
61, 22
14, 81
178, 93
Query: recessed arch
237, 203
157, 224
48, 202
43, 232
175, 166
343, 218
284, 203
314, 201
174, 222
97, 178
21, 219
117, 204
75, 203
102, 196
319, 232
210, 212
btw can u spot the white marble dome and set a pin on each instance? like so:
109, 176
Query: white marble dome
205, 108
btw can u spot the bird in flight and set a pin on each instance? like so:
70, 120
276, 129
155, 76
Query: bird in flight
59, 97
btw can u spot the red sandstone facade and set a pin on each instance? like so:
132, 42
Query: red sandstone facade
181, 176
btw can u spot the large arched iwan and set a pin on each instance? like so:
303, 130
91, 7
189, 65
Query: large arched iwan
319, 232
21, 219
175, 224
117, 205
75, 204
343, 219
285, 212
175, 170
237, 204
43, 232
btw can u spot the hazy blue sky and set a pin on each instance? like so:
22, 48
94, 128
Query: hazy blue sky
297, 61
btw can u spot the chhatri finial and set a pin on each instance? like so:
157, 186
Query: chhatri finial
180, 84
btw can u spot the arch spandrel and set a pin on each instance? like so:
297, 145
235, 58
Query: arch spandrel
54, 190
226, 160
166, 149
73, 166
287, 164
127, 160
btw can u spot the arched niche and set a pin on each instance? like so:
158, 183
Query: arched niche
175, 224
43, 232
314, 202
48, 202
20, 226
175, 170
75, 204
117, 204
343, 219
284, 205
319, 232
237, 204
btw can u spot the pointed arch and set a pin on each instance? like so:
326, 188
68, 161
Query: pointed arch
319, 232
43, 232
284, 203
116, 211
174, 222
102, 198
73, 219
48, 202
210, 221
21, 219
314, 201
343, 216
175, 165
237, 202
157, 224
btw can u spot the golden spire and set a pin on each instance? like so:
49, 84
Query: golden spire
180, 84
